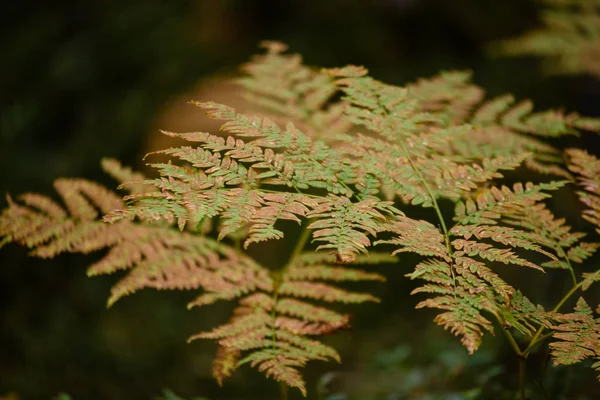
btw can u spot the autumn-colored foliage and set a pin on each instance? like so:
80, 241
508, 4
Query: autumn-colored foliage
568, 38
343, 156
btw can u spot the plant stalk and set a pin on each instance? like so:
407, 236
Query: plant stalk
522, 376
536, 338
283, 391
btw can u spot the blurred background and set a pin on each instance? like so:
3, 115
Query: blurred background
80, 80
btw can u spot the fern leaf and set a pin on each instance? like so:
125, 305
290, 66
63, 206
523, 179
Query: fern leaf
589, 278
415, 236
587, 168
225, 363
131, 180
279, 83
277, 206
567, 39
523, 315
344, 226
488, 252
47, 228
461, 296
501, 128
271, 324
577, 336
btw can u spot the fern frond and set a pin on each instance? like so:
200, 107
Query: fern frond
157, 256
170, 260
47, 228
488, 252
271, 326
577, 336
309, 162
225, 363
568, 39
460, 295
489, 229
524, 316
519, 219
344, 226
129, 179
587, 169
226, 176
589, 278
408, 150
450, 95
417, 236
279, 83
502, 129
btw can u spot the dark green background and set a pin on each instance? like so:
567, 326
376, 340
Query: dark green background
80, 80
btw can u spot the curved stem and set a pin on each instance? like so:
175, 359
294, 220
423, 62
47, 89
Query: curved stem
435, 205
304, 236
431, 196
568, 262
536, 338
513, 343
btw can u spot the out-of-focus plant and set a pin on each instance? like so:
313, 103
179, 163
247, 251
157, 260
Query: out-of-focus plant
569, 39
399, 374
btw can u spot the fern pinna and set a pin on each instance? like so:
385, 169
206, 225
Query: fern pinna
568, 38
339, 153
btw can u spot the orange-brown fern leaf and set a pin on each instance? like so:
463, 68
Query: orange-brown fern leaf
523, 315
132, 181
299, 157
589, 278
416, 236
587, 169
567, 40
461, 295
490, 230
272, 348
279, 83
225, 363
272, 326
166, 259
502, 128
157, 256
48, 229
344, 226
489, 252
577, 336
407, 150
226, 178
450, 94
518, 219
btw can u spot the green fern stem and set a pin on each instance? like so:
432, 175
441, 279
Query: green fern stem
283, 391
300, 244
537, 338
304, 236
522, 377
512, 341
563, 255
434, 203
